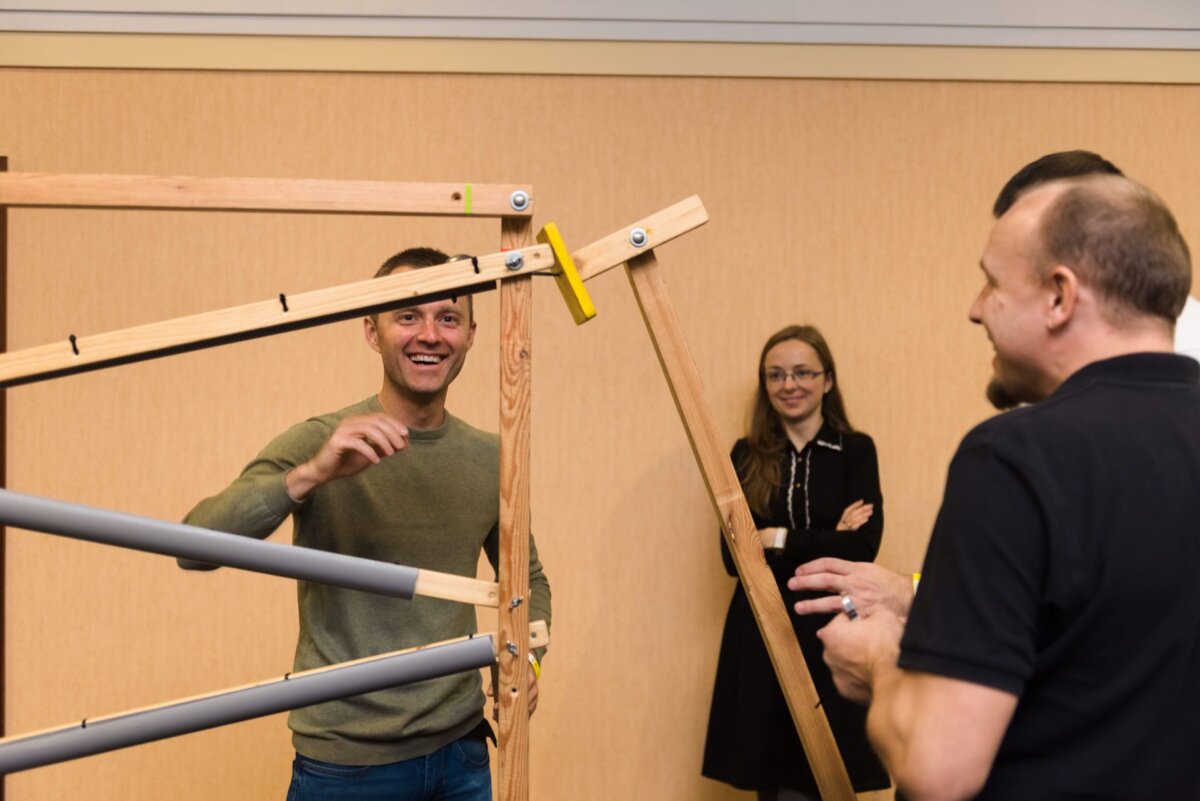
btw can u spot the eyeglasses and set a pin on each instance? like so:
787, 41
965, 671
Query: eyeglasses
800, 375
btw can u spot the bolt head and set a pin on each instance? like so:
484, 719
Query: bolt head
514, 261
519, 200
638, 237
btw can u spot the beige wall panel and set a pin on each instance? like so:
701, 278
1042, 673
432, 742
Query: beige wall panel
859, 206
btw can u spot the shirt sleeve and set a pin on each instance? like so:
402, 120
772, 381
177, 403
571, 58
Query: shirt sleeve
976, 616
257, 503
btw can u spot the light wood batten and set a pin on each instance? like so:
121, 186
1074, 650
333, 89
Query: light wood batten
263, 194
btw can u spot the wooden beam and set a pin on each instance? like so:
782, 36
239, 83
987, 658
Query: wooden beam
512, 690
262, 194
451, 587
3, 471
662, 226
738, 528
77, 354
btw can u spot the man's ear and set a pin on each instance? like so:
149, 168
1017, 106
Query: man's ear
371, 333
1063, 298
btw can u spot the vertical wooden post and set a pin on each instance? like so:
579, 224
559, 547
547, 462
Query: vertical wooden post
3, 471
738, 528
512, 692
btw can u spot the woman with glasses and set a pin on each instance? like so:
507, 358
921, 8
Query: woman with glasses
812, 483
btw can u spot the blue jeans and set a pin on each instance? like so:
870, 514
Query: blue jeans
456, 772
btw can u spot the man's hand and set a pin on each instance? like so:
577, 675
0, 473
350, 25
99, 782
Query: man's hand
356, 444
856, 650
866, 583
533, 696
854, 515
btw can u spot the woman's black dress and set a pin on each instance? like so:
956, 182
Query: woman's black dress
752, 742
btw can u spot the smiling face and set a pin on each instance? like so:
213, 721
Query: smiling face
795, 380
423, 348
1014, 302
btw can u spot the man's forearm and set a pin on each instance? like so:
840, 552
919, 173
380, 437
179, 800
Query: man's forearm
937, 736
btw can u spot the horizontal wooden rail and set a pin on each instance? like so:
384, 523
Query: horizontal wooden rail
186, 715
75, 354
46, 190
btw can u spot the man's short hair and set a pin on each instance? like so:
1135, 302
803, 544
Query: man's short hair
412, 257
416, 259
1052, 167
1123, 241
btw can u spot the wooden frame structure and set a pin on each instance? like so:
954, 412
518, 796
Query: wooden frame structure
633, 246
513, 204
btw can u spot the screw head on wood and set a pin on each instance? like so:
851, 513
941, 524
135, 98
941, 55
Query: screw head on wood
638, 237
514, 261
519, 200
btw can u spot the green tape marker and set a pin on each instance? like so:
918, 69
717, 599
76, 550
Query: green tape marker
467, 200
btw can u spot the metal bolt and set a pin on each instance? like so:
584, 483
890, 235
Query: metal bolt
512, 648
519, 200
514, 261
638, 237
516, 602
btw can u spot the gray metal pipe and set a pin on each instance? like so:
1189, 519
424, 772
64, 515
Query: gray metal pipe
204, 545
146, 726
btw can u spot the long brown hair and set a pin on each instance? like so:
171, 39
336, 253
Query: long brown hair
767, 440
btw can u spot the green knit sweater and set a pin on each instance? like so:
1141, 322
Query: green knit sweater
433, 505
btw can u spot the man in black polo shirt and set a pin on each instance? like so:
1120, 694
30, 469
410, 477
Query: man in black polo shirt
1054, 647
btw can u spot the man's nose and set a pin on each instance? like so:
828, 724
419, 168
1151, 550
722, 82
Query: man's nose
428, 332
975, 313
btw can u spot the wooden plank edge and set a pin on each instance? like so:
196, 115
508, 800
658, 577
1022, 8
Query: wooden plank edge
291, 195
730, 505
211, 329
450, 587
660, 227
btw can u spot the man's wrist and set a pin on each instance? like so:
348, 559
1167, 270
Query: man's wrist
297, 484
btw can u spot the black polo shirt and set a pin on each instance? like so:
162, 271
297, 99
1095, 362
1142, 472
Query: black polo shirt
1064, 567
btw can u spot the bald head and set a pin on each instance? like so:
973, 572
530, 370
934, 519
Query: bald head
1118, 237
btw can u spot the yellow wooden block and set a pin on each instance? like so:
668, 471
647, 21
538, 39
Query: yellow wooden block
566, 276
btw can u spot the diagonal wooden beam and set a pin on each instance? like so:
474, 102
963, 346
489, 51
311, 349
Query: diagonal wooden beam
660, 227
738, 528
77, 354
47, 190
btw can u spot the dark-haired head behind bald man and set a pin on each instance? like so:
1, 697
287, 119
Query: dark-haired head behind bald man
1052, 167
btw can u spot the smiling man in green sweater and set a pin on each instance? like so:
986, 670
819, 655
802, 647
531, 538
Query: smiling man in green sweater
398, 479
